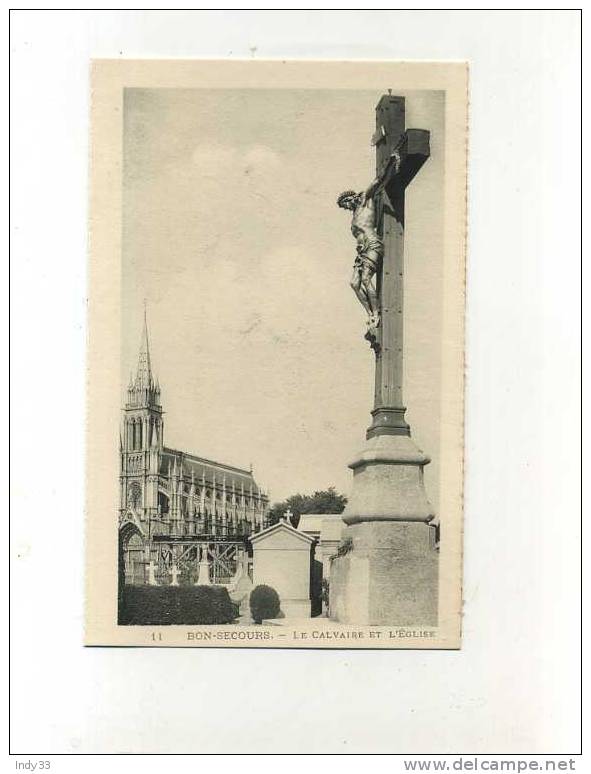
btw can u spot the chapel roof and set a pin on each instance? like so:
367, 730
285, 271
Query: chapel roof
195, 466
281, 527
311, 522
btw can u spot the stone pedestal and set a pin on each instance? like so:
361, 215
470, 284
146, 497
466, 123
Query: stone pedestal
388, 577
388, 482
387, 573
152, 574
240, 587
203, 579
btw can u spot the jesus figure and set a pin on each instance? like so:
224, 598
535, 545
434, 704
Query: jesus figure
370, 249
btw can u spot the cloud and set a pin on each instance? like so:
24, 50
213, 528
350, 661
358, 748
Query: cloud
262, 157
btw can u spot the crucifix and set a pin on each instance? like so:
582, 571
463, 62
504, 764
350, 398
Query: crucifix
388, 513
378, 272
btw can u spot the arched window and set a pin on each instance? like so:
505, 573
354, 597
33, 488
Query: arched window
135, 543
163, 502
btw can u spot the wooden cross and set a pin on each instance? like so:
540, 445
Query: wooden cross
399, 156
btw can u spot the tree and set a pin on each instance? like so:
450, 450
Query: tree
325, 501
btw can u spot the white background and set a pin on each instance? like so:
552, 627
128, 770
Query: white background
514, 686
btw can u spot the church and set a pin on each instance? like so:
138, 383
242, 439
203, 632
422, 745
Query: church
175, 506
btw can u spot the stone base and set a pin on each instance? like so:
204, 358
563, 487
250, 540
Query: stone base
388, 577
240, 593
387, 573
296, 608
203, 579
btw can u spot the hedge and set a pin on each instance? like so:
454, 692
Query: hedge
166, 605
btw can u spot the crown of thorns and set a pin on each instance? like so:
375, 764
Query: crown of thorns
346, 195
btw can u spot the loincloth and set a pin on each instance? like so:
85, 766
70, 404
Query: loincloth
369, 253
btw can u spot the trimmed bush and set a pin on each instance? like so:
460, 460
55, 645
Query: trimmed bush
166, 605
264, 603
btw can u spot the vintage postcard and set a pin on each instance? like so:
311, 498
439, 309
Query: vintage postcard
276, 354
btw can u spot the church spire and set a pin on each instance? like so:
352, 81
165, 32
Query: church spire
143, 379
144, 391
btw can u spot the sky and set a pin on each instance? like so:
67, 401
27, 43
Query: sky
232, 236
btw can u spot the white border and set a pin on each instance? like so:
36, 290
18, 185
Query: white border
513, 688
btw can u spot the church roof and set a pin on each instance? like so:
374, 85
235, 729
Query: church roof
197, 467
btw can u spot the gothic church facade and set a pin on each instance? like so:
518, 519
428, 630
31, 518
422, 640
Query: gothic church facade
171, 500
